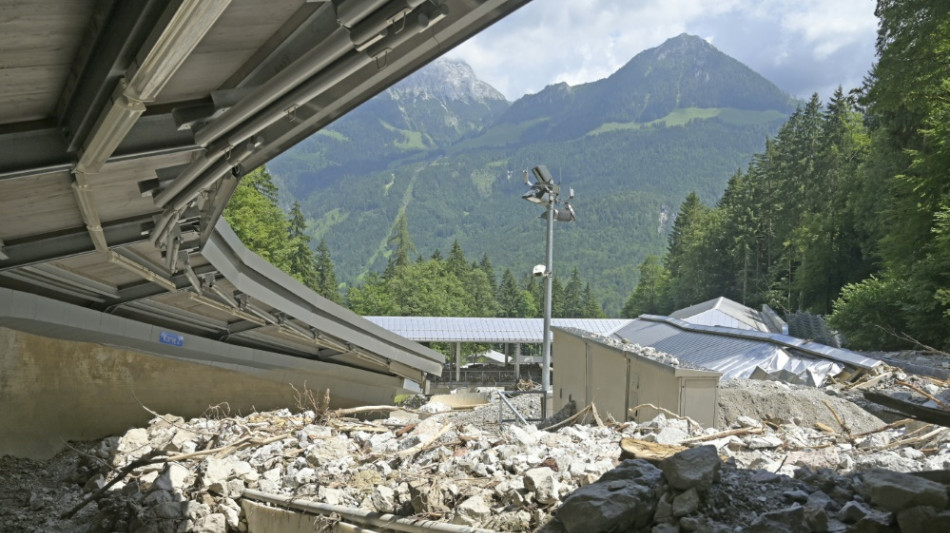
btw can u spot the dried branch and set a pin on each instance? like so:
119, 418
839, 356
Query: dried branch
432, 438
729, 433
149, 458
840, 422
569, 419
922, 392
892, 425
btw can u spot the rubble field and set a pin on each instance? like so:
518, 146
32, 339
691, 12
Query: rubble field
784, 458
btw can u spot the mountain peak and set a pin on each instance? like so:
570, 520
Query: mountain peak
446, 79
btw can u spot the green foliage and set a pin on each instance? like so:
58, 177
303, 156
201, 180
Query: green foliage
279, 238
326, 282
871, 313
651, 295
455, 287
257, 220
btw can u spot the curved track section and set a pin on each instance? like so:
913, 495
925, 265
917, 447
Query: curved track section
126, 125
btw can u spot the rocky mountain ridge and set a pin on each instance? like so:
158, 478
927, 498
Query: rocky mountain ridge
439, 147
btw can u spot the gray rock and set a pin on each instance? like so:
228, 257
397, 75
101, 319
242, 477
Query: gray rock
820, 500
664, 509
543, 482
797, 496
169, 510
895, 491
853, 512
764, 476
696, 467
816, 518
665, 528
923, 518
625, 497
686, 503
788, 520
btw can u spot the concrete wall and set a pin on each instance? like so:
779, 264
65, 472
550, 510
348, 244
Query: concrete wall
570, 372
588, 371
53, 391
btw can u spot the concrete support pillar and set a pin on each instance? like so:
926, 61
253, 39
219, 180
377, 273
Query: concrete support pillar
458, 361
506, 354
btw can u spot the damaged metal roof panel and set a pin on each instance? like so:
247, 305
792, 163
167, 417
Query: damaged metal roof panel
737, 352
723, 312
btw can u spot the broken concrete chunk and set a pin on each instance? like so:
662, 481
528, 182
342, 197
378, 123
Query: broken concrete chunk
232, 513
384, 499
175, 478
213, 523
696, 467
543, 482
471, 511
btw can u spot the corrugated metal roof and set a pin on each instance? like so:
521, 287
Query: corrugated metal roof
738, 352
723, 312
478, 329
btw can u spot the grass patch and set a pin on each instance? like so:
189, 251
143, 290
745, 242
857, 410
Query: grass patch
335, 135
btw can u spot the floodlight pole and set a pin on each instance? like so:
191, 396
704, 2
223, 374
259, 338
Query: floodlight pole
548, 287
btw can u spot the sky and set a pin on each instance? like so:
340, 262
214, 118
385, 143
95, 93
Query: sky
803, 46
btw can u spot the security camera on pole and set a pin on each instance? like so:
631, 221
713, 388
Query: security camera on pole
545, 192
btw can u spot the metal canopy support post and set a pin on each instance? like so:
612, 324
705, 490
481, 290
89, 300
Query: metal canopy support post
458, 361
517, 361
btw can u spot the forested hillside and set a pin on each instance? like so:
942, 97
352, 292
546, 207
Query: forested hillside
677, 118
847, 209
409, 285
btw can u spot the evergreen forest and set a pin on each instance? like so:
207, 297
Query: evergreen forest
846, 211
410, 285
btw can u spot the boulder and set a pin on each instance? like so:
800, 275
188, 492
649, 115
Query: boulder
788, 520
923, 518
696, 467
896, 491
624, 498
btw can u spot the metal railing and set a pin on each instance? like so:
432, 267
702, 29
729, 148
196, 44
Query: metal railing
504, 401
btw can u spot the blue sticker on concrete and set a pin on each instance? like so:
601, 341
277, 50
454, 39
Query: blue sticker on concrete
166, 337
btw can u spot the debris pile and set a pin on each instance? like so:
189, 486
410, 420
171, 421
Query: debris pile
461, 468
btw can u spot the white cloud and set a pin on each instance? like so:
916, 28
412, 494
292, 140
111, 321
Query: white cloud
802, 45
